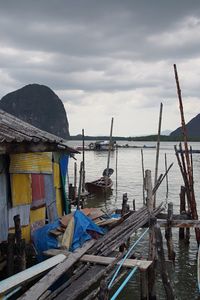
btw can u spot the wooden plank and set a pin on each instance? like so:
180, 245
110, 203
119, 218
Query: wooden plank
129, 263
180, 223
42, 285
16, 280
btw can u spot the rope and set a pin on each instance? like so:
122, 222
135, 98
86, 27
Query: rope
122, 261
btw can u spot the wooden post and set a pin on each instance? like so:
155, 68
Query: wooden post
168, 233
75, 180
148, 187
182, 210
125, 205
152, 256
104, 291
125, 209
133, 204
20, 246
161, 256
157, 152
144, 292
80, 184
10, 254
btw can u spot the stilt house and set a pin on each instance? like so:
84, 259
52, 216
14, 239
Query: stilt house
33, 167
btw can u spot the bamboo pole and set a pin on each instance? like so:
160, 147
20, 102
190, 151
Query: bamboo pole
109, 151
188, 162
116, 169
148, 187
167, 185
157, 151
143, 178
83, 160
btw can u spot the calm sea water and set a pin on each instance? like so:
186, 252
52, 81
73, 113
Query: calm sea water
129, 180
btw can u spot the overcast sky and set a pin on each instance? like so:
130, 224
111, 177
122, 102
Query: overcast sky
105, 58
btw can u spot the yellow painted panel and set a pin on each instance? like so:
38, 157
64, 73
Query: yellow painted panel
40, 162
59, 205
21, 189
37, 214
56, 175
68, 235
26, 232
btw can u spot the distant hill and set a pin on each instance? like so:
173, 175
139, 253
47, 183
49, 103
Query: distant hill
193, 129
39, 106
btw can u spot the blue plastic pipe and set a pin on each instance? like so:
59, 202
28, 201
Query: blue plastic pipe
124, 283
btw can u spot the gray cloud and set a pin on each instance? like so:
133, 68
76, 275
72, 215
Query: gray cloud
119, 51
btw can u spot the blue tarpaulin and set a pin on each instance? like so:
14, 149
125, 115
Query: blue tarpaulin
82, 225
84, 228
43, 240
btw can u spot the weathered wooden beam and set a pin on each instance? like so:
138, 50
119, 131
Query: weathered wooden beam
23, 277
103, 260
42, 285
180, 223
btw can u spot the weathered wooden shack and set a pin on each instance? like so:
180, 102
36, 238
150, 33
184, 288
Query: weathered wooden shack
33, 166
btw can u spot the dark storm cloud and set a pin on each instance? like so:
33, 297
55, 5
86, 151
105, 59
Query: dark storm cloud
88, 50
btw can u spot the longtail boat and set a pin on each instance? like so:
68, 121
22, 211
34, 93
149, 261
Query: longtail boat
101, 185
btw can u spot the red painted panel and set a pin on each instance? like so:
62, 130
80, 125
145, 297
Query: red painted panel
38, 192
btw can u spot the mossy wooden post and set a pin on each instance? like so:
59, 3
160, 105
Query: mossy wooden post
168, 233
10, 254
182, 210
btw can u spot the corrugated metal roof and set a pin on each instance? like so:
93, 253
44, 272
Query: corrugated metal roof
14, 130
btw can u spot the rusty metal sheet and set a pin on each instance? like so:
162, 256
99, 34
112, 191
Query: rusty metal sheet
34, 163
38, 192
50, 197
23, 211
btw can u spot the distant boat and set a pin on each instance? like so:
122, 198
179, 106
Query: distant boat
135, 146
98, 146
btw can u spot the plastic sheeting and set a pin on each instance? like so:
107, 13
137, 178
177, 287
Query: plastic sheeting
43, 240
83, 224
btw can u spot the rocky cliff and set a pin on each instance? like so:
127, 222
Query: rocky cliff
193, 129
39, 106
